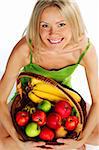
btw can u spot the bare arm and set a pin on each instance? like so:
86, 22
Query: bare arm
15, 63
91, 65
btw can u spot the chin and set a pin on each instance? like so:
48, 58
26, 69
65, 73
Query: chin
55, 46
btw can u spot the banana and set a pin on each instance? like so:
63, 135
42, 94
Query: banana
49, 88
73, 94
48, 96
34, 98
50, 92
35, 81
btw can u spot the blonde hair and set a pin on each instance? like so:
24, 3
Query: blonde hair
68, 8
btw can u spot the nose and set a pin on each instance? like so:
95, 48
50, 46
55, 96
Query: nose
53, 30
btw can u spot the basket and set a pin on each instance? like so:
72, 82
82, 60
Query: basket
38, 96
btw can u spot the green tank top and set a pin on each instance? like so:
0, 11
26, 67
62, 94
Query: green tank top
62, 76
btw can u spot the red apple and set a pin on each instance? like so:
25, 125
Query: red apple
63, 108
46, 134
71, 123
22, 118
54, 120
76, 119
39, 117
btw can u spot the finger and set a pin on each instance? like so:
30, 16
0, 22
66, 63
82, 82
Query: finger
65, 141
50, 146
38, 143
60, 147
46, 147
38, 148
32, 144
64, 147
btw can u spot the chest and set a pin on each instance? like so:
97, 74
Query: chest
55, 60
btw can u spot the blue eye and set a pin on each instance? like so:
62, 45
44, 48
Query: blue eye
61, 24
45, 26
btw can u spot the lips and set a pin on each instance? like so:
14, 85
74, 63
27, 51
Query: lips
55, 41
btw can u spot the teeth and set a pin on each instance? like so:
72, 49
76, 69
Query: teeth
55, 41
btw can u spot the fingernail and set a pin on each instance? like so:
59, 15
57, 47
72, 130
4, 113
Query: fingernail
43, 143
58, 140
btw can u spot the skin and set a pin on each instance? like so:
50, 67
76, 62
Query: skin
53, 28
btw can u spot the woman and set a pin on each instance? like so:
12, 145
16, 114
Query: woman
58, 39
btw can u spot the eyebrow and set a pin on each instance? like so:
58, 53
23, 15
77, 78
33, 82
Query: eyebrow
56, 22
43, 22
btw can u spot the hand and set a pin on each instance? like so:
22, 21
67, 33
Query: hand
68, 144
31, 145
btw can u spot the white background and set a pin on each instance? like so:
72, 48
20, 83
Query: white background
14, 17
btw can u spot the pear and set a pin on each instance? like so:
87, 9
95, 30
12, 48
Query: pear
61, 132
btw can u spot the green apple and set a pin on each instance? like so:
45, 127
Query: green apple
45, 105
32, 129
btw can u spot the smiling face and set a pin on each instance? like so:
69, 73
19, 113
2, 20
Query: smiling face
55, 32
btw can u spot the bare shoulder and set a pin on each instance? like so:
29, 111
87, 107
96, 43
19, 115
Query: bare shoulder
21, 48
19, 57
16, 61
91, 67
90, 59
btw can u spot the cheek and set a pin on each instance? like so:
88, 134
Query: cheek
67, 34
43, 33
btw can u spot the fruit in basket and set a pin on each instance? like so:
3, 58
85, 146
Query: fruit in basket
34, 81
39, 117
48, 88
61, 132
62, 93
46, 134
34, 98
45, 105
45, 95
32, 129
22, 118
71, 123
54, 120
63, 108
